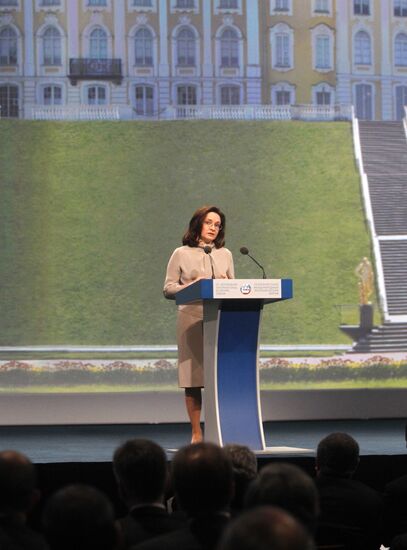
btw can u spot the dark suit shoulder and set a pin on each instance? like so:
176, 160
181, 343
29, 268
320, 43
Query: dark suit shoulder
398, 485
200, 534
181, 539
20, 537
147, 522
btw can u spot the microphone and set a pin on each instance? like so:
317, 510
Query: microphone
245, 252
208, 250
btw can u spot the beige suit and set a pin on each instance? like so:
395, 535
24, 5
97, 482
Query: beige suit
187, 264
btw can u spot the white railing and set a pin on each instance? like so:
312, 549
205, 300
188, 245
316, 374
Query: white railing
195, 112
405, 121
259, 112
321, 112
369, 216
75, 112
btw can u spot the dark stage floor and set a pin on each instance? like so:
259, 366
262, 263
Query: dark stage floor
58, 444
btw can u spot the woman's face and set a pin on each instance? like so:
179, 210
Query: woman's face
210, 227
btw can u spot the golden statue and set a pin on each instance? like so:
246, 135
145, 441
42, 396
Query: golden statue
364, 272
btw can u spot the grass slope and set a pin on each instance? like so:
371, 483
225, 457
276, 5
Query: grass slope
91, 212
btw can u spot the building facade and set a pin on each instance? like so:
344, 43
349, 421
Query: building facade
148, 55
371, 69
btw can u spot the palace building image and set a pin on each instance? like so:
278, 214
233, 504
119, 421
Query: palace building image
147, 56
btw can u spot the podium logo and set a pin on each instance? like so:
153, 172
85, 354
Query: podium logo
245, 289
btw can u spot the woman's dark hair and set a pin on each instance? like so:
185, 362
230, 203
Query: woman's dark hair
193, 234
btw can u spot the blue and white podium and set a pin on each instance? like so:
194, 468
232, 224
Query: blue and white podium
232, 313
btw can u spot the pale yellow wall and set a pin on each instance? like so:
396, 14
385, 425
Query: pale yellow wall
302, 75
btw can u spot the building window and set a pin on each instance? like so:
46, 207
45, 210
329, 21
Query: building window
364, 101
400, 8
97, 3
323, 97
8, 3
185, 4
323, 94
50, 2
283, 50
143, 42
363, 50
144, 100
97, 95
52, 95
143, 3
282, 5
186, 95
401, 101
186, 48
98, 44
283, 93
400, 50
228, 5
8, 46
283, 97
323, 48
321, 6
230, 95
229, 48
9, 101
52, 47
361, 7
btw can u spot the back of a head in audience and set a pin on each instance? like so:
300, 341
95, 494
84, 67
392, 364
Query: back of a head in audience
140, 468
399, 543
244, 465
203, 479
337, 455
288, 487
266, 528
18, 483
81, 518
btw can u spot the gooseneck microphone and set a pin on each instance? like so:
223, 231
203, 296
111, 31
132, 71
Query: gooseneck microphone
245, 252
208, 250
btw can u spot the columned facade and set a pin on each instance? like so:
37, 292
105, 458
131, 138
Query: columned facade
148, 56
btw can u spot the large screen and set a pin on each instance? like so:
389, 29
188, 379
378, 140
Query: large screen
91, 212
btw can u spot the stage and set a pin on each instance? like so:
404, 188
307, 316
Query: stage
96, 443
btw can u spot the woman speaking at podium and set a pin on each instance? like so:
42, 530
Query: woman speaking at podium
202, 256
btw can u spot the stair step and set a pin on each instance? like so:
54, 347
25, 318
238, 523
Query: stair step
384, 154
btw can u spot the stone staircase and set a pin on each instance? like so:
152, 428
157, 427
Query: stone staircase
394, 259
386, 337
388, 194
384, 155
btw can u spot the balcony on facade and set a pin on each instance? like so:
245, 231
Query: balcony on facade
95, 69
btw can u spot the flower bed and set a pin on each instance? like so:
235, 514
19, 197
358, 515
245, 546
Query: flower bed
376, 367
26, 374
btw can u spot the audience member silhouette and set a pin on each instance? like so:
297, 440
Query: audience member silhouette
244, 465
399, 542
266, 528
80, 517
288, 487
351, 512
395, 509
203, 483
140, 468
18, 494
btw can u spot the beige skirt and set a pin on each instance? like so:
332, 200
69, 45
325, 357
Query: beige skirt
190, 346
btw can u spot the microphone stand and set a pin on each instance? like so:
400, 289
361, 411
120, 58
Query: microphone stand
208, 250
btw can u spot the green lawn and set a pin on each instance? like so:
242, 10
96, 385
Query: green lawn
126, 388
90, 213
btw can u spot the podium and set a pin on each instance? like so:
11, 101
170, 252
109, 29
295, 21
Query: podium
231, 327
